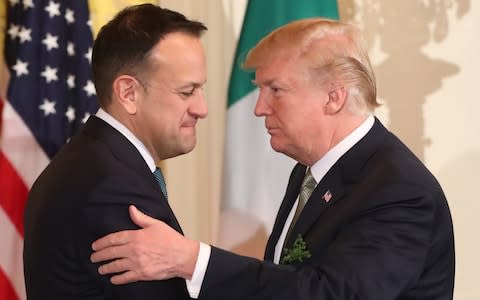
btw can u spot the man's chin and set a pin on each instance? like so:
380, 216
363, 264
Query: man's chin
180, 149
275, 145
189, 145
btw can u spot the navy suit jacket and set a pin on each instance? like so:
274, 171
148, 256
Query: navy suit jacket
82, 195
386, 233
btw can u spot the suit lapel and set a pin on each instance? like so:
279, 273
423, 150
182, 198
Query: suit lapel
335, 184
293, 188
126, 152
328, 191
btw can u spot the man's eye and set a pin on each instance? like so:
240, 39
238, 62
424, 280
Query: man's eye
187, 93
275, 89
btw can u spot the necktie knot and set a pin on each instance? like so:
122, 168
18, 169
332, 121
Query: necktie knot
308, 185
161, 181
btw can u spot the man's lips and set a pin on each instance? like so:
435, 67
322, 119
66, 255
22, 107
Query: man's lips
271, 127
271, 130
189, 124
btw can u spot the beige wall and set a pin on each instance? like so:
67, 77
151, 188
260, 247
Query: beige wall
426, 58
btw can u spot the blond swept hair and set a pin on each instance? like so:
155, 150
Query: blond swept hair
334, 52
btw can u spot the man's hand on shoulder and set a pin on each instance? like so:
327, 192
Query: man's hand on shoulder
155, 252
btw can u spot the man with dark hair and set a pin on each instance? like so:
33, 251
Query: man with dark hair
149, 70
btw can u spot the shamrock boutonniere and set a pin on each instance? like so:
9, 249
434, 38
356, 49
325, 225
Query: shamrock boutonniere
298, 252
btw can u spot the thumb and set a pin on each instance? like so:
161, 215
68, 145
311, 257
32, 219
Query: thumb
140, 218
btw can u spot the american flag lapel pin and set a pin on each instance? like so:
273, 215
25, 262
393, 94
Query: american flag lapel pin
327, 196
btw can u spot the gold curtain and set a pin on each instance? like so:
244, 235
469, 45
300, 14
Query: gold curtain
102, 11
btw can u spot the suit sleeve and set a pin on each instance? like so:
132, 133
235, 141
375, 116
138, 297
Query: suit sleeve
376, 254
107, 212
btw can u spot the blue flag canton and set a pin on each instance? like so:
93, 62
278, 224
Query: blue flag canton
48, 48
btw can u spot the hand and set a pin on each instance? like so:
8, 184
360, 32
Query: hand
155, 252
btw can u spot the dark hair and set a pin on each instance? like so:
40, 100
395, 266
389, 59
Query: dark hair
123, 44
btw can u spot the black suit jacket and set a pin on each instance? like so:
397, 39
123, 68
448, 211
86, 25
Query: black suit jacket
386, 233
82, 195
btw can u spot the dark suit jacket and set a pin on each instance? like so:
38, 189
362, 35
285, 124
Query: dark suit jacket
82, 195
385, 234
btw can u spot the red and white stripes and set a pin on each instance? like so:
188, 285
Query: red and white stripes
21, 161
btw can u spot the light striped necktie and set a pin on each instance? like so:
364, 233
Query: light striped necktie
161, 181
308, 185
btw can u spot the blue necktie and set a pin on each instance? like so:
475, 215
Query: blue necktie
161, 181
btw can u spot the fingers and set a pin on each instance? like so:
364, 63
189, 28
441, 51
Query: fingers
143, 254
140, 218
123, 237
124, 278
109, 253
116, 266
113, 239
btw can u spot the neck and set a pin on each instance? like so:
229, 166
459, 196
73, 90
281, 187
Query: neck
130, 123
340, 129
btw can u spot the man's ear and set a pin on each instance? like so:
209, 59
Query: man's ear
125, 91
336, 100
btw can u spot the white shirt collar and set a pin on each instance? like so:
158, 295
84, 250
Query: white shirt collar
321, 167
147, 157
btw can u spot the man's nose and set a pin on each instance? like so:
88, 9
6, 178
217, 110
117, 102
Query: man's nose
199, 107
262, 108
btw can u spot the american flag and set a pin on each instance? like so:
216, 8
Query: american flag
50, 95
327, 196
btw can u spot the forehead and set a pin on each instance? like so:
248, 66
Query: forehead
281, 68
179, 54
176, 45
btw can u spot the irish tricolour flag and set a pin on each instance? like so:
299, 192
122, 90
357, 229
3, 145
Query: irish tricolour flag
255, 175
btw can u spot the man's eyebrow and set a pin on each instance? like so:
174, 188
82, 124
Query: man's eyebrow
266, 82
193, 84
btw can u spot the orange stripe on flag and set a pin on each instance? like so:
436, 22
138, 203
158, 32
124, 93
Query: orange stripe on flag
6, 290
13, 193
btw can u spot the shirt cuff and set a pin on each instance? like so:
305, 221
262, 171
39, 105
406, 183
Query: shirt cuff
195, 284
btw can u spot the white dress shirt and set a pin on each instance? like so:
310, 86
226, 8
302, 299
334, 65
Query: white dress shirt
195, 284
319, 169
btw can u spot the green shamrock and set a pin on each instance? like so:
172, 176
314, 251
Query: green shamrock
298, 253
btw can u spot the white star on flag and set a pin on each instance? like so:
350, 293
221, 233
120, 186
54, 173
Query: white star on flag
51, 41
89, 88
70, 49
13, 31
21, 68
27, 4
70, 114
53, 9
50, 74
48, 107
71, 81
25, 35
85, 118
88, 55
69, 16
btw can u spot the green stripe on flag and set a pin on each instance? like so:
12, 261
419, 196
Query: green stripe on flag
262, 17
